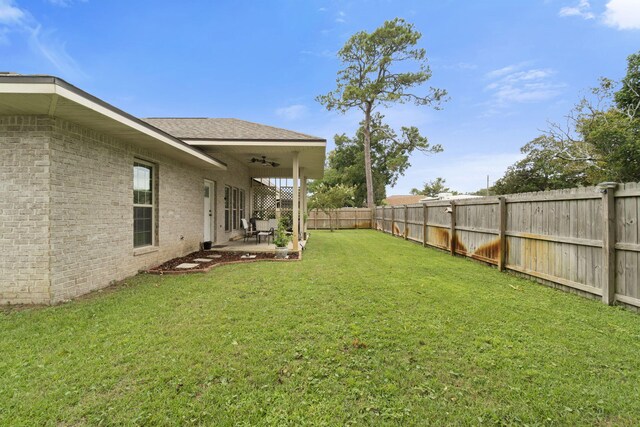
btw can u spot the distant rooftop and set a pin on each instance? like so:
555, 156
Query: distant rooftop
402, 199
225, 129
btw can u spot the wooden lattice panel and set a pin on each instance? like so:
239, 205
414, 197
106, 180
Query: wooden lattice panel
265, 202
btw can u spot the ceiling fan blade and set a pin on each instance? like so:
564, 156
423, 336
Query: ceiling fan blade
263, 160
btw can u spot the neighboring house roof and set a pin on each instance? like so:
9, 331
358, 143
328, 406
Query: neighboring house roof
402, 200
226, 129
449, 196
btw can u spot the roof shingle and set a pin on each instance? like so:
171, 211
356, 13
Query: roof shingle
226, 129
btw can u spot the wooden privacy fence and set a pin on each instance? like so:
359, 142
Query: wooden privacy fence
341, 218
587, 239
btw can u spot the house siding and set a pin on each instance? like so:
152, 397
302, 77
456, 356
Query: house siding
24, 209
89, 210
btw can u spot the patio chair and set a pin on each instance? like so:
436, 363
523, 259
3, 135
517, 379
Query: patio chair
267, 234
249, 231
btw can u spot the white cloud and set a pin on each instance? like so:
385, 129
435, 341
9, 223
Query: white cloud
466, 66
54, 51
322, 54
582, 9
513, 84
453, 65
619, 14
10, 14
505, 70
623, 14
292, 112
17, 21
341, 17
65, 3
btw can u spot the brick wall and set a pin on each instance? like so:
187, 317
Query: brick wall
24, 210
82, 239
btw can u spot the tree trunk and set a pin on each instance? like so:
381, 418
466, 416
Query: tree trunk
367, 156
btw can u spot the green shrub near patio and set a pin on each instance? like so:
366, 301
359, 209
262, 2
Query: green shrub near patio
367, 329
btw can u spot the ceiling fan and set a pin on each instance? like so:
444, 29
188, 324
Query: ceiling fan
264, 162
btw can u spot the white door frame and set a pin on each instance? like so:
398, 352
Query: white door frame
210, 216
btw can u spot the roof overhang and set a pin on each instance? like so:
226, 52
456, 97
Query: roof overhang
48, 95
311, 155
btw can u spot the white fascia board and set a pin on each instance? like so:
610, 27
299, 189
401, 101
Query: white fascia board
275, 143
54, 89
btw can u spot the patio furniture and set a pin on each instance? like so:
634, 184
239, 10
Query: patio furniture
265, 234
266, 224
249, 231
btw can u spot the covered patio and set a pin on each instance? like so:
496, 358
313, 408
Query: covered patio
279, 163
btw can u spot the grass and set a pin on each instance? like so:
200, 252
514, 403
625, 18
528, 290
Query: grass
367, 329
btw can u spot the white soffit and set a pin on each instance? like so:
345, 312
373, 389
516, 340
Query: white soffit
311, 155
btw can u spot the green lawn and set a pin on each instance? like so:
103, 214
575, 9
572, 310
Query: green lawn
367, 329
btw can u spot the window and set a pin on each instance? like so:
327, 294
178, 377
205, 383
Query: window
234, 208
242, 201
227, 208
143, 200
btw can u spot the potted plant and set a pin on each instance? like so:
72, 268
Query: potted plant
281, 239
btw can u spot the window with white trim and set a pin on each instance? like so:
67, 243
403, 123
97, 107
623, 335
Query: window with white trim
227, 208
242, 204
143, 204
234, 208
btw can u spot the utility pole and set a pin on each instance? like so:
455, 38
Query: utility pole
487, 185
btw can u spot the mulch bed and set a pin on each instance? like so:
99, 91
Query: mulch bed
169, 267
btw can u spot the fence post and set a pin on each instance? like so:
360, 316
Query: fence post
393, 220
608, 241
452, 243
374, 218
424, 225
502, 229
356, 218
405, 231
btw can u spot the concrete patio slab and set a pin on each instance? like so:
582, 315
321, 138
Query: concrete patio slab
252, 247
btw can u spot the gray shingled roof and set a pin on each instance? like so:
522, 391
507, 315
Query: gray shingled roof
225, 129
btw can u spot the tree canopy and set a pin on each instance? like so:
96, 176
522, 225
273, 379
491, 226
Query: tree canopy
375, 74
389, 159
329, 198
433, 188
601, 142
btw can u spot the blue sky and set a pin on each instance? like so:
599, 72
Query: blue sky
509, 66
